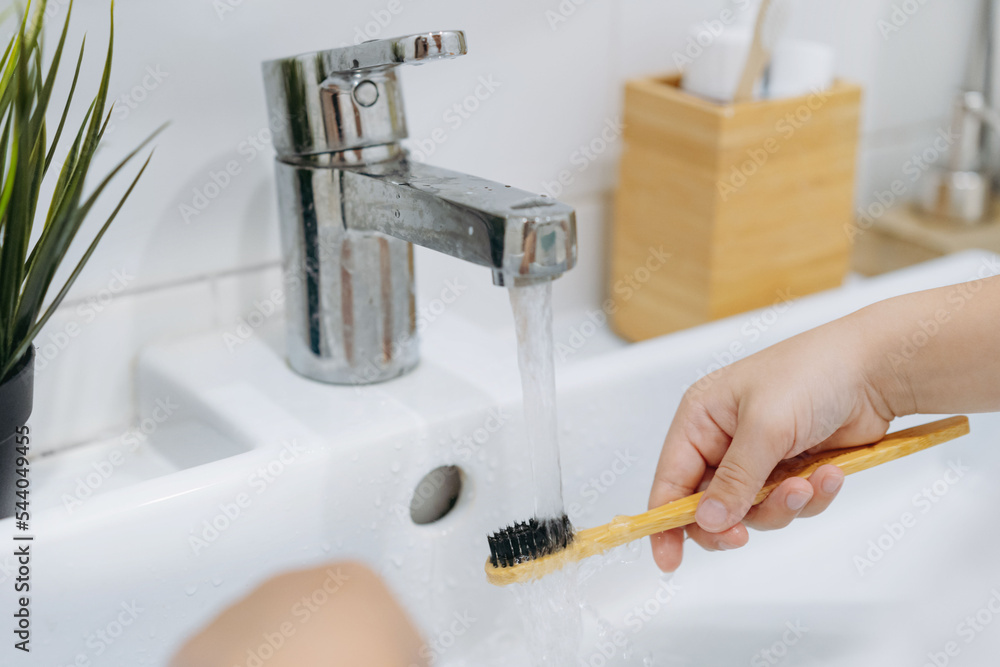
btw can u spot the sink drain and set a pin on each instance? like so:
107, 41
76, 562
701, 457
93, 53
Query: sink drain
436, 495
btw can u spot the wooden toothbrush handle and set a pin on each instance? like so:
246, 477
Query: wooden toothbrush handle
757, 57
893, 446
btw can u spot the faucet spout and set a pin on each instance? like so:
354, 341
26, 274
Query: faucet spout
524, 238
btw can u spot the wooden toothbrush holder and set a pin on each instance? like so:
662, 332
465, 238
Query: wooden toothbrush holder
751, 202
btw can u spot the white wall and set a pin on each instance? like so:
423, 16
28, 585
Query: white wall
560, 82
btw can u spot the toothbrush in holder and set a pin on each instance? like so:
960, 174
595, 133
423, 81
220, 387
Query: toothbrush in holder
771, 20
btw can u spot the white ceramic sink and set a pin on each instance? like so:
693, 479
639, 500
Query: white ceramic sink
132, 570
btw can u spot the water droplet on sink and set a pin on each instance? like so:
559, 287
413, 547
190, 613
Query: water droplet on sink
635, 548
647, 660
216, 581
396, 466
628, 651
191, 589
397, 561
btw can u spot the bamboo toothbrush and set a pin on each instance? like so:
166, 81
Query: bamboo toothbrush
533, 549
771, 19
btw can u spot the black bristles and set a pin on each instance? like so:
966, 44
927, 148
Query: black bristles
528, 540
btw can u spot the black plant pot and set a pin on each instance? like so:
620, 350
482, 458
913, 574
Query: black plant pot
15, 408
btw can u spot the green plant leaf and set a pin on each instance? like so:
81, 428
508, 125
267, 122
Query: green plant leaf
46, 89
7, 167
66, 195
67, 171
15, 237
33, 332
26, 154
6, 54
38, 281
8, 181
5, 195
65, 113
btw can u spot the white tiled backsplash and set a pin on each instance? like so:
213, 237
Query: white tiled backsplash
197, 245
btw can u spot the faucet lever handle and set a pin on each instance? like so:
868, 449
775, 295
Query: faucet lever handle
347, 98
411, 49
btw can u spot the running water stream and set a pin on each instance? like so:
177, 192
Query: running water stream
532, 306
549, 607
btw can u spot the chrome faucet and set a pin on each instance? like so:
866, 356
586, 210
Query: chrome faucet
351, 203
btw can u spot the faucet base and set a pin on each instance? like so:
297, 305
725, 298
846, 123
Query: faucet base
350, 316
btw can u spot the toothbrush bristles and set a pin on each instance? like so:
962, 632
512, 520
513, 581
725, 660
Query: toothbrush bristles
528, 540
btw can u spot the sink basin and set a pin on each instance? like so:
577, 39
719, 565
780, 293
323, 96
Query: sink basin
241, 470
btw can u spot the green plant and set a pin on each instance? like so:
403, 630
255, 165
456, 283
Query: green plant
27, 268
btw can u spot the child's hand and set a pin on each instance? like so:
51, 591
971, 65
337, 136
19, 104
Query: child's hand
733, 427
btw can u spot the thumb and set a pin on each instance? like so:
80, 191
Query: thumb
754, 452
